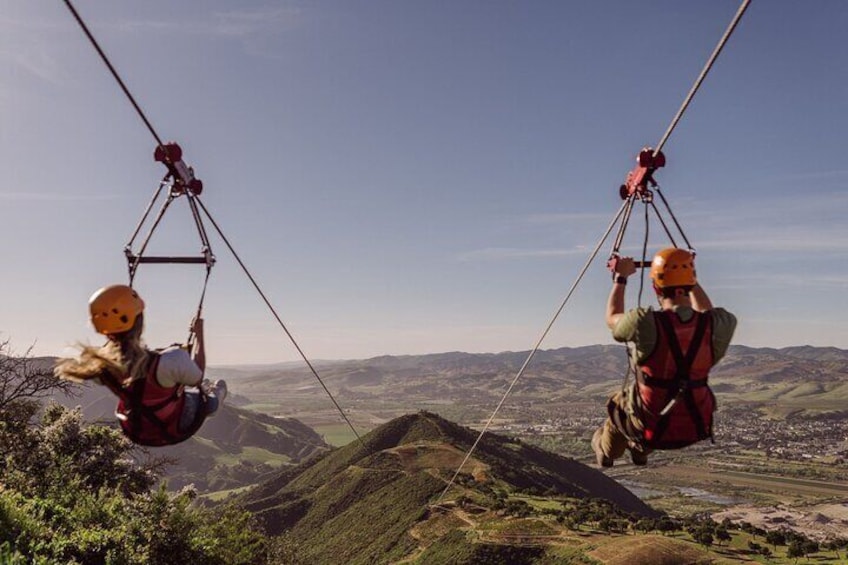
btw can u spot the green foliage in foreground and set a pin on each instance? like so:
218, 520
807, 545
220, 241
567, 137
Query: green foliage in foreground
71, 493
99, 527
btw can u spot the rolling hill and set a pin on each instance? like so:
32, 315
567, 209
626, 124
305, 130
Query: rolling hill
360, 503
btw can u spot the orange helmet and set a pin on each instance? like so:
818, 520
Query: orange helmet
114, 309
673, 267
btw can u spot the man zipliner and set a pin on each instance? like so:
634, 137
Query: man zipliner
670, 405
155, 407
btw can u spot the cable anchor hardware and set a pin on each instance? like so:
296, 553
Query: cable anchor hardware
180, 181
642, 175
641, 185
171, 154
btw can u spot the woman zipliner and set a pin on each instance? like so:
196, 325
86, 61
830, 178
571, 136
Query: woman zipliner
156, 407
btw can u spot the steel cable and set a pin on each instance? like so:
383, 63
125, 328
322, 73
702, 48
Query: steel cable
536, 347
644, 256
703, 75
113, 71
277, 317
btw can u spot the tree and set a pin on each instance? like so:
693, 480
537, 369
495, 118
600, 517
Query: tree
704, 537
63, 449
795, 550
78, 498
722, 534
836, 544
645, 525
570, 521
809, 546
518, 508
26, 379
73, 493
775, 538
666, 525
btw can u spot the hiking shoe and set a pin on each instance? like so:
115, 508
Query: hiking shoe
220, 391
602, 459
638, 457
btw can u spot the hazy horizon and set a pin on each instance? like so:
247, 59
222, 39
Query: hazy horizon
404, 178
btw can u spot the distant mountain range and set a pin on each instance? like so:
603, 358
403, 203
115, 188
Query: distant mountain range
587, 373
239, 446
357, 504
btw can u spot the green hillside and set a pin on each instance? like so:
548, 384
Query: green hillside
358, 504
238, 447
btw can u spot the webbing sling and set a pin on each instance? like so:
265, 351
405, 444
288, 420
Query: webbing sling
680, 385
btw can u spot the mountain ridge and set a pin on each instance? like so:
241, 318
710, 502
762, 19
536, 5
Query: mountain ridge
375, 492
588, 373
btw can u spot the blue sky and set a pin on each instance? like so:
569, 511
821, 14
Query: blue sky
413, 177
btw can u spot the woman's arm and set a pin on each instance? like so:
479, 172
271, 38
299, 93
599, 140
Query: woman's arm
198, 351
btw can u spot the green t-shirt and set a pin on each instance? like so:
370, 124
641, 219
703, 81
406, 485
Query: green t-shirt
638, 326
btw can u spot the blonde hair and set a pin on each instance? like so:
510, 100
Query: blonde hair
124, 357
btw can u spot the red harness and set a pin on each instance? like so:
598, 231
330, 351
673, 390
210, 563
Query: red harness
150, 413
676, 402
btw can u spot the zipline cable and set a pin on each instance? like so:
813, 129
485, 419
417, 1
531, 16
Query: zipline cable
625, 205
703, 75
277, 317
196, 214
626, 209
644, 255
113, 71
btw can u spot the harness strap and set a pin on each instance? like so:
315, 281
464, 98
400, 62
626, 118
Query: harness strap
666, 384
140, 411
133, 398
681, 384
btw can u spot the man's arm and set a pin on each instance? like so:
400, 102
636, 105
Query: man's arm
700, 301
615, 304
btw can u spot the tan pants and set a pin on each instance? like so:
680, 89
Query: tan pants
612, 439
